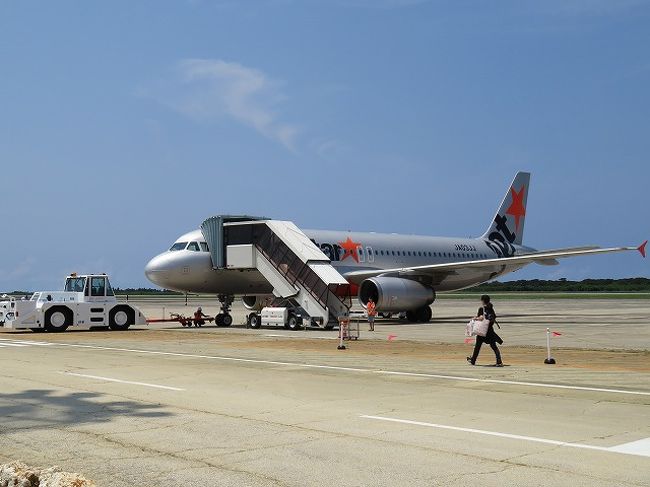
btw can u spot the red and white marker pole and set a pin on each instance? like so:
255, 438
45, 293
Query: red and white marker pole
549, 360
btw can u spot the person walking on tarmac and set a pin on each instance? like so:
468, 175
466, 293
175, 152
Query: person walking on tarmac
371, 308
486, 312
198, 317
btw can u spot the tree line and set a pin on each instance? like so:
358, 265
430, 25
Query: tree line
631, 285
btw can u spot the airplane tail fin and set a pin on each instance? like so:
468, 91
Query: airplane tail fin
509, 221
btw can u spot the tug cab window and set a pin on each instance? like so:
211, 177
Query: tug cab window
193, 246
178, 246
97, 286
75, 284
109, 289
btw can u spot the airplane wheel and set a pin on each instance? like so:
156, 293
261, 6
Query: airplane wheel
293, 323
411, 316
58, 318
254, 320
218, 320
226, 320
424, 314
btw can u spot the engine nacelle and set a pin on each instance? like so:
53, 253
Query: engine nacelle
395, 293
256, 303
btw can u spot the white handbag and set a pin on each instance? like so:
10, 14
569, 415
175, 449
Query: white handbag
479, 327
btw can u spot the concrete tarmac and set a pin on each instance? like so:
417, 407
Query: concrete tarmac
176, 407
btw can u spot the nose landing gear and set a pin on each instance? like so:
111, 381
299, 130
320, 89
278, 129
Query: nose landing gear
224, 318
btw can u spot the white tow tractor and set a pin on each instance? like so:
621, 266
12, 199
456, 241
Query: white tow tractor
87, 301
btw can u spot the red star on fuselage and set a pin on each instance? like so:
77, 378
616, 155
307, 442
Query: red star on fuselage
350, 249
517, 208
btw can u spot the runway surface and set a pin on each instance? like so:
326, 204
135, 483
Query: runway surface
173, 406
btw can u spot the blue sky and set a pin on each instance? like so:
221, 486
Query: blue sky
124, 124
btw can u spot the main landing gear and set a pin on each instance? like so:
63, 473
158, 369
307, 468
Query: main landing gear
420, 315
224, 318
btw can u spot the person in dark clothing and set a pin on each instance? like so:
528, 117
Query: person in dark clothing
486, 312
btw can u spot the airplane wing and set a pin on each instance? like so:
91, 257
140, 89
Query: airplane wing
439, 271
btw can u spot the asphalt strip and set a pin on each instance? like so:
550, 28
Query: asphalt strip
361, 370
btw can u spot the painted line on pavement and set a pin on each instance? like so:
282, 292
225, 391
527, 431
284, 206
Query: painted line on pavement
291, 336
110, 379
360, 370
626, 449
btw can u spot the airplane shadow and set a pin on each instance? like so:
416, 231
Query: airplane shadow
46, 408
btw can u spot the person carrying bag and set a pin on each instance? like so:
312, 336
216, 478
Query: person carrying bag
483, 327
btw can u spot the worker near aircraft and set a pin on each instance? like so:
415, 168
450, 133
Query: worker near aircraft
198, 317
486, 312
371, 308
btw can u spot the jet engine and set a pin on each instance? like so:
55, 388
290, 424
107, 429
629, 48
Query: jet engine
256, 303
395, 293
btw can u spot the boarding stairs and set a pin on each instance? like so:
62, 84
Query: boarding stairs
298, 270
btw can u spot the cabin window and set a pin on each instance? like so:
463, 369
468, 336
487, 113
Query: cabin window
204, 247
193, 246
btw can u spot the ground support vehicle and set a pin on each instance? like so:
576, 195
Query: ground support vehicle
87, 301
287, 317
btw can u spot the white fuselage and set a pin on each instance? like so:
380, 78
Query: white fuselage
187, 266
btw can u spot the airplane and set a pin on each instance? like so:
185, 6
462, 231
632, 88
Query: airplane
402, 273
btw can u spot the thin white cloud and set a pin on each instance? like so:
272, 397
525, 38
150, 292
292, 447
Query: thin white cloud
213, 88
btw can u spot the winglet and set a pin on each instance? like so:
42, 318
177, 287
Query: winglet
641, 248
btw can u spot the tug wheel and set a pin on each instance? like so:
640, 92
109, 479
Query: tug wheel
58, 319
121, 317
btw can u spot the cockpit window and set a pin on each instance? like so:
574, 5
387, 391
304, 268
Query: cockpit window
194, 246
204, 246
75, 284
178, 246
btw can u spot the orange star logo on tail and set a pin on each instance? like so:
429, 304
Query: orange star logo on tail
350, 249
517, 208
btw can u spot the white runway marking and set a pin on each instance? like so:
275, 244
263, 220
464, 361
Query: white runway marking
627, 449
22, 343
109, 379
640, 447
360, 370
311, 338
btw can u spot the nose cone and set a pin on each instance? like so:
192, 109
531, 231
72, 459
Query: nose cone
158, 270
